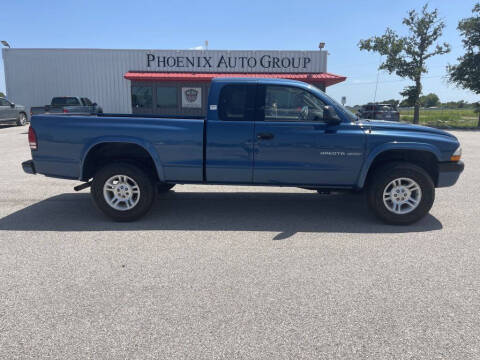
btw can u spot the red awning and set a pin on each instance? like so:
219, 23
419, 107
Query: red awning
325, 78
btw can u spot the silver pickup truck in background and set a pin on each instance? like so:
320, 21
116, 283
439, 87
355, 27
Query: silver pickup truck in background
68, 105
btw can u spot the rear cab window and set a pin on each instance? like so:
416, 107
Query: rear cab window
65, 101
236, 102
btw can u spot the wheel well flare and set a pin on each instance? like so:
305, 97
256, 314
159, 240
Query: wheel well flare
425, 159
106, 153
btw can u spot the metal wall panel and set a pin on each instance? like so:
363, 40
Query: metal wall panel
34, 76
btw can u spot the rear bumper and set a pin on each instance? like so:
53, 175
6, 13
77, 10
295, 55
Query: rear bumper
449, 172
29, 167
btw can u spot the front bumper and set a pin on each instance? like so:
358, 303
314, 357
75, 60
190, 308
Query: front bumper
29, 167
449, 172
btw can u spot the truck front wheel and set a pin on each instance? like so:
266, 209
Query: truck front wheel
123, 191
400, 193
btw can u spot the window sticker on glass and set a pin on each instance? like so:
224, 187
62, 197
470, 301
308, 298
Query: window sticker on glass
192, 97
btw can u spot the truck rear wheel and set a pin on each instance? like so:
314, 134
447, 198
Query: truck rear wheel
123, 191
400, 193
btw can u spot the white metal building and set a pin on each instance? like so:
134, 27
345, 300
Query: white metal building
148, 81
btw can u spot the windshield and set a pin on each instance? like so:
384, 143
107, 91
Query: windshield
347, 113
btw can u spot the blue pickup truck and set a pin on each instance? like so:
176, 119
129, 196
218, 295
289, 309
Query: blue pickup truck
256, 132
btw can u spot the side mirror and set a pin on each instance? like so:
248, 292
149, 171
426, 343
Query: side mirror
12, 105
330, 116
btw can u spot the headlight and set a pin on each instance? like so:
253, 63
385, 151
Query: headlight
457, 154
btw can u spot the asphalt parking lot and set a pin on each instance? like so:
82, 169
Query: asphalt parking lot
235, 272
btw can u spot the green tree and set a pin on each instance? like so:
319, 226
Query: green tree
406, 103
466, 73
429, 100
2, 94
406, 56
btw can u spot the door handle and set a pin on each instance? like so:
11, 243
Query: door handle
265, 136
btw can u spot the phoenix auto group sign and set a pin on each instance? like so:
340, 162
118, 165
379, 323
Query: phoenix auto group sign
237, 61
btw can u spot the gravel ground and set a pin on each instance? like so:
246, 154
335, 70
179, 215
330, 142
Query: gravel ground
235, 272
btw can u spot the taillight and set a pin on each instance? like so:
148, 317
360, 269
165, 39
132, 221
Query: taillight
32, 139
65, 111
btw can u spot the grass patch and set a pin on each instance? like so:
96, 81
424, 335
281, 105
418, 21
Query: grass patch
443, 118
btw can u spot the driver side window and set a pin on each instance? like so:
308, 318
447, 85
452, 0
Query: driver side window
286, 103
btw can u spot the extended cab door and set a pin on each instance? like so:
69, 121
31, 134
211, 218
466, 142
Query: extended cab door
229, 133
294, 146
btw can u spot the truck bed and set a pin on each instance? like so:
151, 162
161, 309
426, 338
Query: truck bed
177, 143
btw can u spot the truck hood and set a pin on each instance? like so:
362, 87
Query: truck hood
398, 126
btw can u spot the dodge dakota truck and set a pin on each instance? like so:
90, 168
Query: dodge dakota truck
266, 132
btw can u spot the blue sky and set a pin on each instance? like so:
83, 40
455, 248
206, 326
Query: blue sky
276, 25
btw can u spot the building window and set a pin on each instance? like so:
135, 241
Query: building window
167, 97
142, 97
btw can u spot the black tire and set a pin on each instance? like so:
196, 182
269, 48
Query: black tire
22, 119
380, 180
146, 185
164, 187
